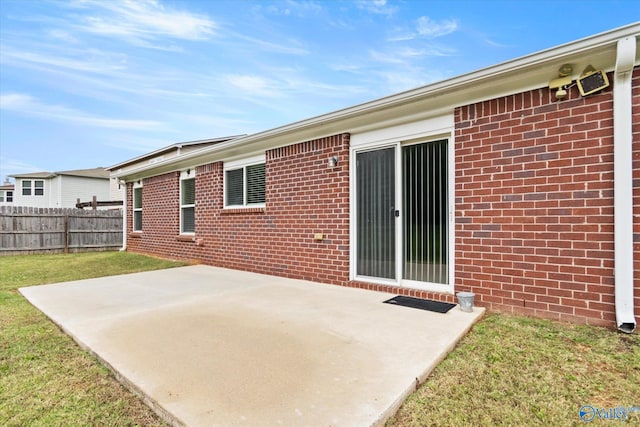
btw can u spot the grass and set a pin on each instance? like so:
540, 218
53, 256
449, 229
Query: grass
45, 378
508, 370
521, 371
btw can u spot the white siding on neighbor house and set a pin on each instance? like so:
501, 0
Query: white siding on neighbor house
62, 191
73, 188
116, 190
32, 200
54, 192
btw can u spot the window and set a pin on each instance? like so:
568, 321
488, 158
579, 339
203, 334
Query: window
245, 183
137, 209
26, 187
38, 188
188, 205
9, 196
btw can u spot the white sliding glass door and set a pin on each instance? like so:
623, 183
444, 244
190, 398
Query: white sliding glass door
402, 214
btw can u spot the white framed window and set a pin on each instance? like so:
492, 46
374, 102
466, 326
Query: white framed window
35, 187
137, 207
9, 197
26, 187
187, 202
38, 188
244, 183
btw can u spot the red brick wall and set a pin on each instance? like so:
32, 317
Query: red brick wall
534, 205
303, 197
160, 217
636, 191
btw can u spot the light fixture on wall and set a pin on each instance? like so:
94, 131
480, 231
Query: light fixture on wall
188, 172
563, 81
333, 161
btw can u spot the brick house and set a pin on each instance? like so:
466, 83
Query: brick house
518, 182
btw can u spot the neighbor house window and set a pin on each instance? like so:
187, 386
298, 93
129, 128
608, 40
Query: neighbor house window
38, 188
26, 187
137, 209
245, 183
187, 203
9, 196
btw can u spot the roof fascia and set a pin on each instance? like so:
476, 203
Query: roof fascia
171, 147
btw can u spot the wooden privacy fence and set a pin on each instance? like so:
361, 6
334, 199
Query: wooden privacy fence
28, 230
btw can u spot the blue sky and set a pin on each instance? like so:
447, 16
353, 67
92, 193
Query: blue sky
87, 83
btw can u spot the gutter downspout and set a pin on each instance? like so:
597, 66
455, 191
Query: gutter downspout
124, 220
623, 184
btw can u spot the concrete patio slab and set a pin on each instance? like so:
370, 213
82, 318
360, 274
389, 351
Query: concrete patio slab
206, 346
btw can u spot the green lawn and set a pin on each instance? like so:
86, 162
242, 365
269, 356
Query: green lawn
507, 371
45, 378
519, 371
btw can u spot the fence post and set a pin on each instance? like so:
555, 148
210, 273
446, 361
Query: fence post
66, 234
94, 203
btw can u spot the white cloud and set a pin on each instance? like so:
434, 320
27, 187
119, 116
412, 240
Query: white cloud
347, 67
407, 78
293, 48
62, 35
425, 27
298, 8
89, 60
493, 43
142, 21
104, 76
407, 55
27, 105
15, 166
429, 28
385, 57
253, 85
376, 6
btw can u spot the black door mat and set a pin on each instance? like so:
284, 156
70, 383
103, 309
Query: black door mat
422, 304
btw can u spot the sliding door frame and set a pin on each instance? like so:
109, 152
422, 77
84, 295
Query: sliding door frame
398, 144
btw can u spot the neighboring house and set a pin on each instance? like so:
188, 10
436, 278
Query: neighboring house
63, 189
6, 193
515, 182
